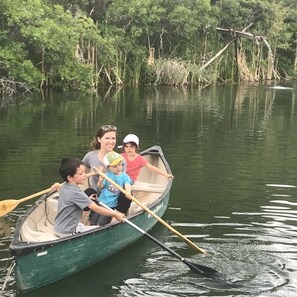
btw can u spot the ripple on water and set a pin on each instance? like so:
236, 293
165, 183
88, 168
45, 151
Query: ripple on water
244, 270
255, 253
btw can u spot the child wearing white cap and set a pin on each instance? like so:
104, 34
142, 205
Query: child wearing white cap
135, 161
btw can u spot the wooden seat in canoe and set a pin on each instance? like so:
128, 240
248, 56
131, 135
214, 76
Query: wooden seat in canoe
148, 187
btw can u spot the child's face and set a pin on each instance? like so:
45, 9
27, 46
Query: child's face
130, 148
79, 176
116, 169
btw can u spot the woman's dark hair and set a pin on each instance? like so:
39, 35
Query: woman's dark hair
68, 166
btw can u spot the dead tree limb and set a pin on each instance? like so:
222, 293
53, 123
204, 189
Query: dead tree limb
237, 33
216, 56
222, 50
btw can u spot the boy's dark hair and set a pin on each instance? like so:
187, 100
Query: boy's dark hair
68, 166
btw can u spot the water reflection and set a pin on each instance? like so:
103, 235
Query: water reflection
233, 153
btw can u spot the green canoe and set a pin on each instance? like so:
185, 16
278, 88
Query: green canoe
42, 258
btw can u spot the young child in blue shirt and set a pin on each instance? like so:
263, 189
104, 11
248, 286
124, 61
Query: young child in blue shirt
110, 195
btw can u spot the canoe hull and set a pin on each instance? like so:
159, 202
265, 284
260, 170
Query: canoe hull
50, 264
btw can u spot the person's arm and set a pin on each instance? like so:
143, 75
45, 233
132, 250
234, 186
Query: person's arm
157, 170
84, 216
100, 182
128, 189
106, 212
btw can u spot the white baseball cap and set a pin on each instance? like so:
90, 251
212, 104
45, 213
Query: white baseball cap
131, 138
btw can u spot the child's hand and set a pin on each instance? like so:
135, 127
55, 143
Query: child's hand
55, 187
119, 216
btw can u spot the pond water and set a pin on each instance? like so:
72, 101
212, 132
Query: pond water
232, 150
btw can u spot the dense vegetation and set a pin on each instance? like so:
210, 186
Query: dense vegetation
84, 44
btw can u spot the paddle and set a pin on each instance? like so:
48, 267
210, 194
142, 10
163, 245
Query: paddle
202, 270
197, 268
189, 242
7, 206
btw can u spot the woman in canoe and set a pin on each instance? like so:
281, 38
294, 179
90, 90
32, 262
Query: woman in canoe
103, 143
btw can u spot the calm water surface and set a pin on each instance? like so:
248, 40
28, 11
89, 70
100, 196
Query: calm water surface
233, 153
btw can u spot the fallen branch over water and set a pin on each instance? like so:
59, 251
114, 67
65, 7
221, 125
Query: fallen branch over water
10, 87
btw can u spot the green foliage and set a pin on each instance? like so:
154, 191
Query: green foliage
189, 17
47, 37
75, 76
16, 66
77, 43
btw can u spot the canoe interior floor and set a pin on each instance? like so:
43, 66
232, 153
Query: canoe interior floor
38, 226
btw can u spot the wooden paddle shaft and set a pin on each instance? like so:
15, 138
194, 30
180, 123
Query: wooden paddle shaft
7, 206
48, 190
189, 242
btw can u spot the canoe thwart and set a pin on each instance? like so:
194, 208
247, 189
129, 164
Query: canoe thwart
148, 187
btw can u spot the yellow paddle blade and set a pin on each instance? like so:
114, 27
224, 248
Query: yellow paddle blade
7, 206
